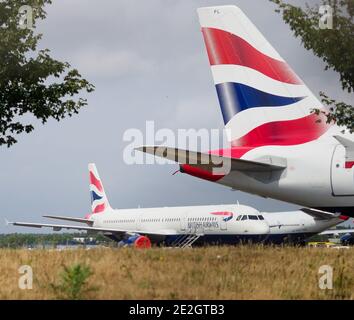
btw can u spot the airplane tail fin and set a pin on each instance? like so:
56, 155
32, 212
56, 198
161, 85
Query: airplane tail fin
99, 201
263, 101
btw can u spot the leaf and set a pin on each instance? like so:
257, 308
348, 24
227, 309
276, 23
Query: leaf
26, 76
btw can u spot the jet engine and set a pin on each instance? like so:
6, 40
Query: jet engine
138, 241
347, 240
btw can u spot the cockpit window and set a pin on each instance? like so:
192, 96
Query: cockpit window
253, 217
260, 218
244, 218
238, 218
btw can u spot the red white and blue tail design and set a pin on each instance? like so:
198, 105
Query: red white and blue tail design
263, 101
99, 201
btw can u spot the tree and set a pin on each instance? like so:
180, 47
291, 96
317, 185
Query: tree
334, 46
31, 82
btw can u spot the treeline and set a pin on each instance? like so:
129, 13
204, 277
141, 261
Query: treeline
18, 240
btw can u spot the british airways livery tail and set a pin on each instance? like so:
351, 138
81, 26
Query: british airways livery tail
279, 148
263, 101
99, 201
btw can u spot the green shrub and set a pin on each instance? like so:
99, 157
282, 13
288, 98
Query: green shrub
73, 284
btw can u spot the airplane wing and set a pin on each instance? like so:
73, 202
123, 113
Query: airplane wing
81, 220
58, 227
206, 160
321, 215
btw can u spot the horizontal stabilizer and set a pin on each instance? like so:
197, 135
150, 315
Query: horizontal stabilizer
207, 160
319, 214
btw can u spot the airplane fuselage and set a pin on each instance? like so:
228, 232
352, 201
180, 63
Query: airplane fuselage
216, 224
295, 226
317, 175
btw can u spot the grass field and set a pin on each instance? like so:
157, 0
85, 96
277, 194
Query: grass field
243, 272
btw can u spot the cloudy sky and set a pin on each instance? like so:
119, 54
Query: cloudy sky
148, 62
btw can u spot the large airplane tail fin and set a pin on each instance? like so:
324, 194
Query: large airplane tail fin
99, 201
263, 101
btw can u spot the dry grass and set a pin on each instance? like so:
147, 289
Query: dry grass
244, 272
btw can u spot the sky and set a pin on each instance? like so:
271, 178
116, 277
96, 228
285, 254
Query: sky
148, 62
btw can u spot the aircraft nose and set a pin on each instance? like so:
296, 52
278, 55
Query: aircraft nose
263, 228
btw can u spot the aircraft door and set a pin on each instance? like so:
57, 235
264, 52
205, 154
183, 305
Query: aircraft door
223, 223
184, 223
342, 178
137, 223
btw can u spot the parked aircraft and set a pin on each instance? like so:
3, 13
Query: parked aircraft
184, 226
279, 148
175, 226
298, 226
345, 236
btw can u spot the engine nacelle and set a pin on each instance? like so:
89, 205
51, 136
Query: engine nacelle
138, 241
347, 240
142, 242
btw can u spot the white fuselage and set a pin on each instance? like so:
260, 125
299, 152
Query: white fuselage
221, 223
295, 226
315, 176
184, 220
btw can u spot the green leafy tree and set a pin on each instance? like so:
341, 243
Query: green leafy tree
334, 46
31, 81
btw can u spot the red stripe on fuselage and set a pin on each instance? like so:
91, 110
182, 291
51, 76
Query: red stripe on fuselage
222, 213
285, 133
281, 133
226, 48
